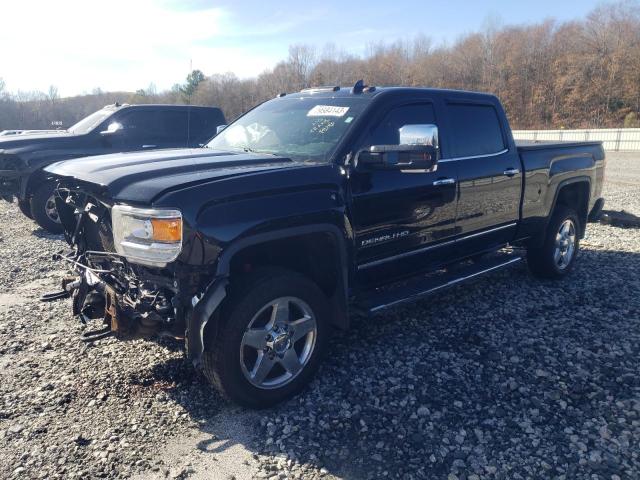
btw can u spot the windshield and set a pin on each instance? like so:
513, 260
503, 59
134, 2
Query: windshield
297, 128
89, 123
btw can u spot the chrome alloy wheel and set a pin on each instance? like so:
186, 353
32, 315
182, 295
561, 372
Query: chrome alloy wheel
565, 244
50, 209
278, 342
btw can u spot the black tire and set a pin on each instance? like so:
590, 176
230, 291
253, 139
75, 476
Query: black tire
39, 209
222, 357
541, 260
25, 208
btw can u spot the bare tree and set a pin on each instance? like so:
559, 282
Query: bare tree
548, 74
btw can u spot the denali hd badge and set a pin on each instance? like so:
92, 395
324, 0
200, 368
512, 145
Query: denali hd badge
383, 238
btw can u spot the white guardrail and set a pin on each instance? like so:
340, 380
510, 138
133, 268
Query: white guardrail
613, 139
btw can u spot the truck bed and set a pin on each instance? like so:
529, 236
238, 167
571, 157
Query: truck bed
551, 164
545, 144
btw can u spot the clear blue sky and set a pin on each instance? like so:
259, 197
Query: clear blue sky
352, 24
78, 45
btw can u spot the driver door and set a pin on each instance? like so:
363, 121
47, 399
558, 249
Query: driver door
403, 219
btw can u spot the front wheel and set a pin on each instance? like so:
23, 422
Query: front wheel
25, 208
556, 257
271, 339
43, 209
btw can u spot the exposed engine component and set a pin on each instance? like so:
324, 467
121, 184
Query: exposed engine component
131, 300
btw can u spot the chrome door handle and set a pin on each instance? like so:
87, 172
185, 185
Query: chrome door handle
444, 181
510, 172
149, 146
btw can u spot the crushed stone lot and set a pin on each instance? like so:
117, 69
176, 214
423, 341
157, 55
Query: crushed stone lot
509, 377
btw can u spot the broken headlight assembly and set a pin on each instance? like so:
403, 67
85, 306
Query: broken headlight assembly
147, 236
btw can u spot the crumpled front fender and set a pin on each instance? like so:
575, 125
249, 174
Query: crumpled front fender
200, 315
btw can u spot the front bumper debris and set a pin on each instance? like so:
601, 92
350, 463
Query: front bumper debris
124, 316
130, 300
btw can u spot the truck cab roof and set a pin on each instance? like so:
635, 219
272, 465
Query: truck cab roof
371, 92
122, 106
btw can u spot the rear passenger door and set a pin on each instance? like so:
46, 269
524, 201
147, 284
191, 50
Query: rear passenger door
489, 175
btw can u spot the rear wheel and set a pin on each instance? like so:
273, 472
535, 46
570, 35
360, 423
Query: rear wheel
271, 339
43, 208
556, 257
25, 208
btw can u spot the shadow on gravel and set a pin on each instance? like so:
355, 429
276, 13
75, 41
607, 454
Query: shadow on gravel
508, 377
222, 426
42, 233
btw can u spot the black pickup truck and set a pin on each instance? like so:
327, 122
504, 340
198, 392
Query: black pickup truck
115, 128
311, 206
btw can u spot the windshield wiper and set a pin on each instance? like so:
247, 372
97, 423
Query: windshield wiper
251, 150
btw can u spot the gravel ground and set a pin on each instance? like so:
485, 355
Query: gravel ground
509, 377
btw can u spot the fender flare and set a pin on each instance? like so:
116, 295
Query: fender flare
224, 260
538, 239
216, 291
569, 181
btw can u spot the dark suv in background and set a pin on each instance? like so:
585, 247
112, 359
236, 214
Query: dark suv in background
115, 128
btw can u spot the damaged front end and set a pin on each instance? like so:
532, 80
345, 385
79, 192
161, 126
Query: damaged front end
126, 275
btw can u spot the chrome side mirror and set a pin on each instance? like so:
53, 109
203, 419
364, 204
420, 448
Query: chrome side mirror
220, 128
113, 127
422, 134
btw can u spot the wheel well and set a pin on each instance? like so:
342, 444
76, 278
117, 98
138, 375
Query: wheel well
576, 196
33, 182
316, 256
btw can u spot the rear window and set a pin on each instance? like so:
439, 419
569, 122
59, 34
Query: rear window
475, 130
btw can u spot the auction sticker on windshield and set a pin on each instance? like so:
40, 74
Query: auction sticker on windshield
327, 111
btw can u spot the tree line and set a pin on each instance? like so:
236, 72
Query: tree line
575, 74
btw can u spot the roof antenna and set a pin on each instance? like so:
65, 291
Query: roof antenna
358, 87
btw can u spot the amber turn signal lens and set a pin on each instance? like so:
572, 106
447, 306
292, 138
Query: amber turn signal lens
167, 229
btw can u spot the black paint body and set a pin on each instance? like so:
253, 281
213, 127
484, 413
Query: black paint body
385, 224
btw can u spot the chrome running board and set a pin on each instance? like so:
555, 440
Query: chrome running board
414, 289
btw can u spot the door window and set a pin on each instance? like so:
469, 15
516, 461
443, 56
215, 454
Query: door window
172, 127
140, 126
475, 130
388, 131
154, 126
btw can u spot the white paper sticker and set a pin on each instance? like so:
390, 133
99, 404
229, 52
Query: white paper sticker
327, 111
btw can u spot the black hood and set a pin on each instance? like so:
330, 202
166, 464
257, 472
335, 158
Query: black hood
140, 177
27, 142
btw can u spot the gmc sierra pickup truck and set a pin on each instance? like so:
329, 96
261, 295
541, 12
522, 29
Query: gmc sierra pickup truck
115, 128
308, 207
